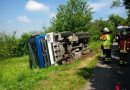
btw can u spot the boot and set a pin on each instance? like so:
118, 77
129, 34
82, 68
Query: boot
125, 62
107, 59
121, 62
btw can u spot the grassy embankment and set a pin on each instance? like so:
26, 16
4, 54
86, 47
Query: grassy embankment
16, 75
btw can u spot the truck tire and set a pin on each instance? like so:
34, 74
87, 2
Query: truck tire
83, 37
76, 55
83, 34
66, 34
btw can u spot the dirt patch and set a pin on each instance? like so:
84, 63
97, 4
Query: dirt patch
41, 83
88, 55
84, 57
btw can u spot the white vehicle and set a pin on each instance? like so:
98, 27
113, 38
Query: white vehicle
56, 50
64, 45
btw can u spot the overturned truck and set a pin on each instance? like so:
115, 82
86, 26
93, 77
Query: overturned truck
56, 48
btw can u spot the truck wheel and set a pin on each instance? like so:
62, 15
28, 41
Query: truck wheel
76, 55
83, 34
66, 34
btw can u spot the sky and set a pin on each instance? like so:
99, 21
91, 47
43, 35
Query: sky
31, 15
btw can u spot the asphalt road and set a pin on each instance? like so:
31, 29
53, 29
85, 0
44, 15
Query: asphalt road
110, 76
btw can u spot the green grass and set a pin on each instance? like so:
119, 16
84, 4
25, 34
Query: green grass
68, 77
15, 74
95, 45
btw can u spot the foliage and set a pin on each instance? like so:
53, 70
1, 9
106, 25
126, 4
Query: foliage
7, 45
10, 46
127, 6
95, 45
21, 47
95, 28
47, 30
117, 20
75, 16
112, 23
117, 3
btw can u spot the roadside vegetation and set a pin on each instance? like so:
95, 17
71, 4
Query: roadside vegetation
16, 75
95, 45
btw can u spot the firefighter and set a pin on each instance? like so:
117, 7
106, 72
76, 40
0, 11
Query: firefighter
102, 46
124, 48
107, 44
118, 36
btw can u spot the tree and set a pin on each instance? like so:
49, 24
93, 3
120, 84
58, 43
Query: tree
117, 20
10, 46
21, 44
7, 45
75, 16
112, 23
126, 3
96, 28
117, 3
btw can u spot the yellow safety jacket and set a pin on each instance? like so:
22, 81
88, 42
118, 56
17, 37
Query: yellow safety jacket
107, 41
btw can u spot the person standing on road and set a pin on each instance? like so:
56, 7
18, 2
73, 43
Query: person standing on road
102, 36
124, 48
107, 43
118, 37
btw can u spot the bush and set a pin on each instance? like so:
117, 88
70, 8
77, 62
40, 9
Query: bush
10, 46
7, 45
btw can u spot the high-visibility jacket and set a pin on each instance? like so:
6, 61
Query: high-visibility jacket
124, 44
107, 41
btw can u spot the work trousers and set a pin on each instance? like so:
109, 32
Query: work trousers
107, 53
103, 50
123, 56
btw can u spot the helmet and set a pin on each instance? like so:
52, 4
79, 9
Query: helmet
106, 30
124, 33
